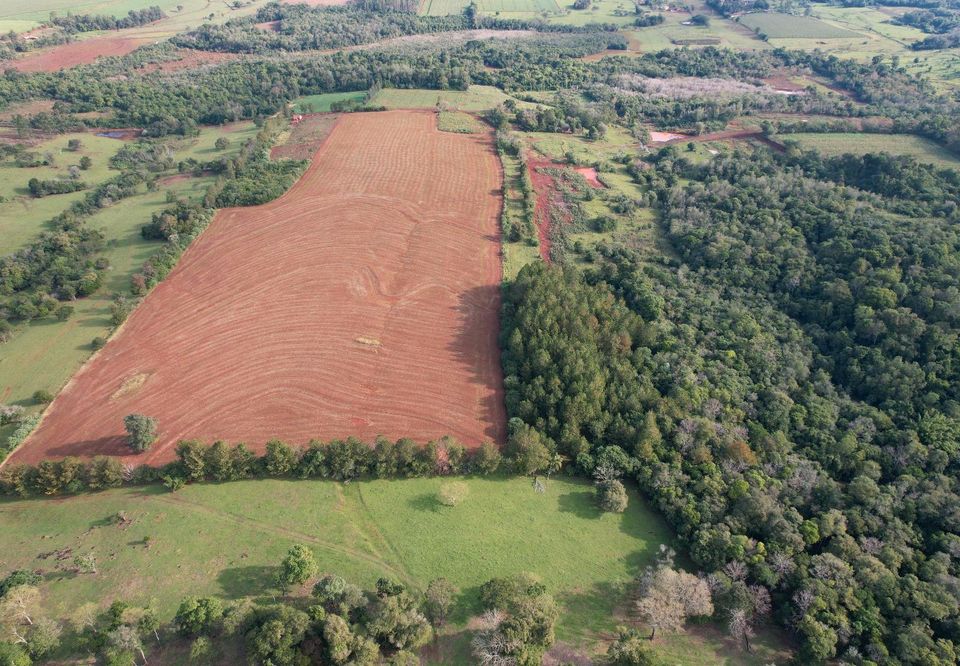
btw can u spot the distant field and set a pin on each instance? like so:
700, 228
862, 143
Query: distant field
321, 103
226, 540
922, 149
459, 122
776, 26
476, 98
444, 7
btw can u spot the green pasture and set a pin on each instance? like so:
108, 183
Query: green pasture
321, 103
857, 143
21, 215
226, 540
458, 122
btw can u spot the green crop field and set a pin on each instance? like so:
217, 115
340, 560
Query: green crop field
776, 26
856, 143
226, 540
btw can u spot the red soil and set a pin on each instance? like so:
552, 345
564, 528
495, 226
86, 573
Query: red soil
364, 301
76, 53
546, 192
590, 175
306, 137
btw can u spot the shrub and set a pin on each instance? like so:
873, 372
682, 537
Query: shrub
612, 496
452, 493
42, 397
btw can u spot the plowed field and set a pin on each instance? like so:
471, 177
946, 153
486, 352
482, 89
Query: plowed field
362, 302
81, 52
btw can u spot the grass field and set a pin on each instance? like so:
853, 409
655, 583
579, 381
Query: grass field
44, 354
226, 540
922, 149
776, 26
20, 213
505, 8
321, 103
458, 122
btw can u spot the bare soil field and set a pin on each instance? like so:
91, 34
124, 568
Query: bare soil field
306, 137
75, 53
365, 301
190, 59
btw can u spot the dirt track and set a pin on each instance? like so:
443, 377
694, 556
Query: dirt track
363, 302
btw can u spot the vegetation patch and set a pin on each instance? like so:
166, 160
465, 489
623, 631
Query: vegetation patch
776, 26
459, 122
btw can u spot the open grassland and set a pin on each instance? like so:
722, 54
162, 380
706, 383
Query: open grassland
459, 122
922, 149
379, 274
475, 98
775, 26
226, 541
45, 353
21, 215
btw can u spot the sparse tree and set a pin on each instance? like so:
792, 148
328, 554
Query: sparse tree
198, 615
126, 639
19, 605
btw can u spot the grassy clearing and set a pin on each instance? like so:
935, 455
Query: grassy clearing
476, 98
21, 215
922, 149
225, 540
458, 122
321, 103
775, 26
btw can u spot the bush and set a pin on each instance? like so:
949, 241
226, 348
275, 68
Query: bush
98, 343
452, 493
42, 397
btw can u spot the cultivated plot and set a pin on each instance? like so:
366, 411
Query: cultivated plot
362, 302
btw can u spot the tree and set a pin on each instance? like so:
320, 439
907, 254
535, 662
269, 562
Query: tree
668, 597
74, 145
125, 639
85, 163
612, 496
525, 446
222, 143
141, 431
297, 567
438, 601
17, 578
19, 605
274, 635
487, 459
42, 397
198, 615
44, 637
13, 655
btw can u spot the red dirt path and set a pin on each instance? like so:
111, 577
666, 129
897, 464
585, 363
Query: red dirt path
75, 53
364, 301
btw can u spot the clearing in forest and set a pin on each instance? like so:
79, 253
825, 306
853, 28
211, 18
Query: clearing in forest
362, 302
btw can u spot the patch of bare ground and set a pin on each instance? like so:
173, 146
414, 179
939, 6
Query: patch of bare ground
306, 137
83, 52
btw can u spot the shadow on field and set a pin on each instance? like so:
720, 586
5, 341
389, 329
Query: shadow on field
425, 502
581, 503
248, 581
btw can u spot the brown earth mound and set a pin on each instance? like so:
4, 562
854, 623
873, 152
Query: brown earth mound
363, 302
